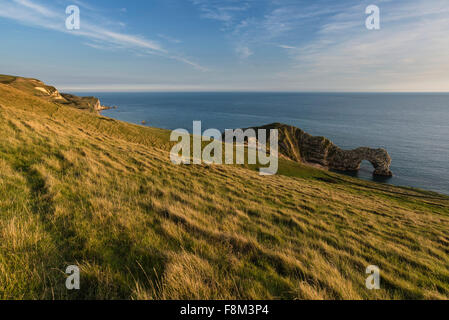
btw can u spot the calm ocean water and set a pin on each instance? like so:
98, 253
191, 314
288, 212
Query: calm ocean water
414, 128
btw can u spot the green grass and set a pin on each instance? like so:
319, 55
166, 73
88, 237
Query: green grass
78, 188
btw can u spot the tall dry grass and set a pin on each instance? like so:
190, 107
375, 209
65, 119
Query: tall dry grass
76, 188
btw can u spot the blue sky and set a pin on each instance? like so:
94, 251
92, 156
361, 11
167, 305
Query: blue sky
227, 45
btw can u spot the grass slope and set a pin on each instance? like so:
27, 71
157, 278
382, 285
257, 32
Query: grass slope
39, 89
77, 188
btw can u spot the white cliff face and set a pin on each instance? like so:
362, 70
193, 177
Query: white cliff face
41, 90
53, 94
56, 95
98, 106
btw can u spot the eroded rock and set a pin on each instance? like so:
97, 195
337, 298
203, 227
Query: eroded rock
300, 146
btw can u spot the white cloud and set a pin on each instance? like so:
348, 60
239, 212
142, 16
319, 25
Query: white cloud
36, 7
331, 49
327, 44
168, 38
244, 52
32, 13
189, 62
221, 10
283, 46
409, 53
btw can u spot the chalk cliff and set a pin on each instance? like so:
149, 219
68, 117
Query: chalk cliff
50, 93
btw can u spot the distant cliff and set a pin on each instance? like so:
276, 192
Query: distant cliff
300, 146
40, 89
90, 103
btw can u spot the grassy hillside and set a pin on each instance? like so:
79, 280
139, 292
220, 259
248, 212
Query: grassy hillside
78, 188
39, 89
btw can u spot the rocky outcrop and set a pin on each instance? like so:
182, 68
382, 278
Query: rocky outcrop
40, 89
350, 160
300, 146
88, 103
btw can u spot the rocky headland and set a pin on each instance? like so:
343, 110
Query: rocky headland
50, 93
302, 147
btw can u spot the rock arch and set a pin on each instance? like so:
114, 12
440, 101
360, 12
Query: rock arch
300, 146
350, 160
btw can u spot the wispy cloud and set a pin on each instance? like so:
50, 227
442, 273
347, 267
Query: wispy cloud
34, 14
36, 7
329, 47
283, 46
249, 24
408, 53
84, 5
244, 52
168, 38
233, 17
189, 62
276, 44
222, 10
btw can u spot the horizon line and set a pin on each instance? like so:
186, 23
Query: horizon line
104, 90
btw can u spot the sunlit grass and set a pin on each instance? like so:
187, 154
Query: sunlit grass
77, 188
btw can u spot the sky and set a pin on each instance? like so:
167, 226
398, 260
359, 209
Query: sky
228, 45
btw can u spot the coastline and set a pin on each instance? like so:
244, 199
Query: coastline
103, 194
348, 120
348, 174
157, 109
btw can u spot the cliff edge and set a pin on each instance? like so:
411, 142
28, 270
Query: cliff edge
300, 146
50, 93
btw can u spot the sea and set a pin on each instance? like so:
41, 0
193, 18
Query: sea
412, 127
